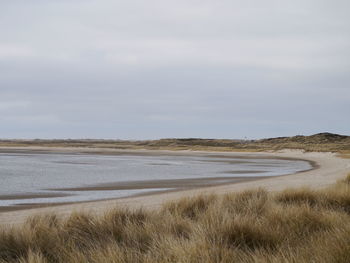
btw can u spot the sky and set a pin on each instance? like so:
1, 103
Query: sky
153, 69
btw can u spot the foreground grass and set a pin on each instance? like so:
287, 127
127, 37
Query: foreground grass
299, 225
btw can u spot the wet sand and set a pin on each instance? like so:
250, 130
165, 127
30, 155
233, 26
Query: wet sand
327, 169
30, 196
175, 184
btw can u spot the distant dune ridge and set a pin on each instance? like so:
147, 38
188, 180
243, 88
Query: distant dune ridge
323, 142
324, 137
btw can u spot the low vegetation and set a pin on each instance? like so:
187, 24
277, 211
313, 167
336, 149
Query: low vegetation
296, 225
323, 142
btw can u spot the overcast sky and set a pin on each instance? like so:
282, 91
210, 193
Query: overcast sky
150, 69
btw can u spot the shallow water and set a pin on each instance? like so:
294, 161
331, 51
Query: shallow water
36, 174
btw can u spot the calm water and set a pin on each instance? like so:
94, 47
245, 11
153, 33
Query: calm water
23, 174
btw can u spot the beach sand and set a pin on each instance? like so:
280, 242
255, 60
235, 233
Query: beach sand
328, 168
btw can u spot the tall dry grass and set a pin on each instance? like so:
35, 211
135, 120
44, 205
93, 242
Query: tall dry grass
296, 225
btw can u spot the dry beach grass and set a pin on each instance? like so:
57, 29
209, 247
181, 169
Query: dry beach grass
295, 225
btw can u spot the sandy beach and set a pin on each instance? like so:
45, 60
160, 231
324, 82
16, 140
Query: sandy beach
328, 168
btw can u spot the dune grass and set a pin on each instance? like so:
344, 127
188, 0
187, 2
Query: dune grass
322, 142
296, 225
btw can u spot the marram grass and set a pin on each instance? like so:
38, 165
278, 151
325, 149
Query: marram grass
296, 225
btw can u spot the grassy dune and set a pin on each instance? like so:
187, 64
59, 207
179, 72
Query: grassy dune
297, 225
322, 142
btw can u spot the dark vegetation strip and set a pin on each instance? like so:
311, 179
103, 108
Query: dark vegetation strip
317, 142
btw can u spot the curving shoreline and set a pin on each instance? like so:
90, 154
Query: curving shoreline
327, 168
